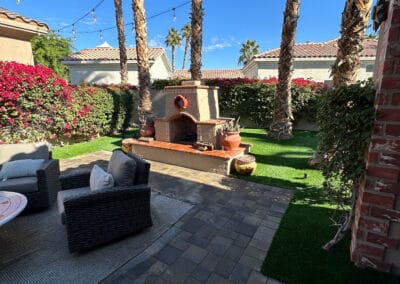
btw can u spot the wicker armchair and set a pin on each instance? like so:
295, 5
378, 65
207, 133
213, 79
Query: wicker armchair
40, 189
97, 217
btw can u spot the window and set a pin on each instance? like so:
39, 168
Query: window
369, 68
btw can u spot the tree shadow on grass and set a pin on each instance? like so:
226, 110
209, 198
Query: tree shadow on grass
297, 160
307, 139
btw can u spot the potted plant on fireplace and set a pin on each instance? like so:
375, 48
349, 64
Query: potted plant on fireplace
147, 126
231, 135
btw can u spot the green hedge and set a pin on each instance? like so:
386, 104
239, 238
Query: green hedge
253, 99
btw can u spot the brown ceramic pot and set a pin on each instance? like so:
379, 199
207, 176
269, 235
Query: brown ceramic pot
147, 131
231, 140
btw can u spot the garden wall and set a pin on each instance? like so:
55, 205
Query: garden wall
376, 230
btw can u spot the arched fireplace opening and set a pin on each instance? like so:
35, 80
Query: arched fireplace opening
183, 130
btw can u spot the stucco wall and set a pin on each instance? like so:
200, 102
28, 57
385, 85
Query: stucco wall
16, 50
109, 73
158, 69
101, 73
315, 70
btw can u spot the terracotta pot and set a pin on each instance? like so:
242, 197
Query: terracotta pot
231, 140
245, 165
147, 130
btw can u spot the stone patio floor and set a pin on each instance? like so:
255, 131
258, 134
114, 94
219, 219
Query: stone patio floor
222, 239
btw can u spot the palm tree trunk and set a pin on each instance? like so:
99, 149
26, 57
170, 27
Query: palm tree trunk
173, 57
196, 40
281, 126
185, 53
123, 59
142, 52
354, 22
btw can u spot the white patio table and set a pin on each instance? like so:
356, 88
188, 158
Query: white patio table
11, 204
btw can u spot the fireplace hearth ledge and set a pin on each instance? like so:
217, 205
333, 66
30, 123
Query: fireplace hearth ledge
215, 161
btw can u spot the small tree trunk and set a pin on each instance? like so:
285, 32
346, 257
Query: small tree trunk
173, 57
348, 223
185, 53
145, 106
196, 40
121, 42
281, 126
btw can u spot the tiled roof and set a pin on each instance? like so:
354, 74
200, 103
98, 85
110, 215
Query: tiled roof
323, 49
110, 54
212, 73
4, 13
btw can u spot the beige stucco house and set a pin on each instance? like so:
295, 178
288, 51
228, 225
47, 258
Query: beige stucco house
16, 32
100, 65
311, 60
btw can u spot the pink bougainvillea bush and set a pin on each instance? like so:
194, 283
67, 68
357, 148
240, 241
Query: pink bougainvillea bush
36, 104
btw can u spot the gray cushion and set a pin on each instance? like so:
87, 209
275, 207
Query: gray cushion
63, 194
20, 168
142, 169
11, 152
21, 185
122, 168
100, 179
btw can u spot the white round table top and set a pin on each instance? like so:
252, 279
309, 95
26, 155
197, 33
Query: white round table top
11, 204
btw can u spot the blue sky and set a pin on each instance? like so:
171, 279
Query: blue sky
227, 23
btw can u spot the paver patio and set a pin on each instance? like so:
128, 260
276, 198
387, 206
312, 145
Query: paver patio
222, 239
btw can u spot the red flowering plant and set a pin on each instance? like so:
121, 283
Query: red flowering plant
36, 104
33, 102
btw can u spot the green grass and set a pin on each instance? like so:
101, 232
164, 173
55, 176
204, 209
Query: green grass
107, 143
296, 254
283, 163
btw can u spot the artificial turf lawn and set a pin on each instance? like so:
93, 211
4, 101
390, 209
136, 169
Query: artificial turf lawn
107, 143
296, 254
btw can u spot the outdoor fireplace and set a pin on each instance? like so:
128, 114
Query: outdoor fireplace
191, 115
189, 135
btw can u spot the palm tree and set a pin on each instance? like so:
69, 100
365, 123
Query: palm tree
281, 126
344, 72
173, 40
123, 59
354, 23
142, 54
248, 50
186, 34
196, 40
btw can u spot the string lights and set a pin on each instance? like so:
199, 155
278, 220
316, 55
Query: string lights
174, 14
94, 15
92, 12
73, 32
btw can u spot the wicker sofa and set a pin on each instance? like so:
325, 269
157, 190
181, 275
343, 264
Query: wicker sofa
95, 217
42, 185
